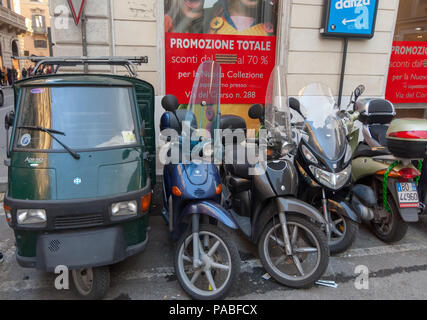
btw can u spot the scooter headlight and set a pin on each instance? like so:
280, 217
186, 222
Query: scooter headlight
126, 208
331, 180
31, 216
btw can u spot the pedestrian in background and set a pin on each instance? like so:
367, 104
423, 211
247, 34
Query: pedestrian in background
9, 76
4, 79
24, 73
14, 75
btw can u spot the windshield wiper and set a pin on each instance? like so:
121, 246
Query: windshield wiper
51, 132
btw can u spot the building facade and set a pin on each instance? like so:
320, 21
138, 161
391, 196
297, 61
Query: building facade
35, 41
12, 24
137, 27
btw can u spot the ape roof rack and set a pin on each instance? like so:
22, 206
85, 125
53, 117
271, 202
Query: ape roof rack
130, 63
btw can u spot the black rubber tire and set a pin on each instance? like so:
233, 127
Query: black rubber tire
324, 252
100, 287
399, 227
235, 263
352, 229
314, 198
1, 99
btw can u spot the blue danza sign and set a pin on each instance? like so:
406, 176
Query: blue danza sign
350, 18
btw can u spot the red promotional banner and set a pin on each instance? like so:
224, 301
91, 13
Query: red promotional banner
407, 78
246, 63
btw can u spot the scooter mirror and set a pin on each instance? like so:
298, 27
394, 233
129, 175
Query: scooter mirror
294, 104
170, 103
256, 112
359, 91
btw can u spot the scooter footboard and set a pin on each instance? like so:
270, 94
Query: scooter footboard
211, 209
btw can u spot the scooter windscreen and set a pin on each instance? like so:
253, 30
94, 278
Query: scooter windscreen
277, 112
324, 130
204, 106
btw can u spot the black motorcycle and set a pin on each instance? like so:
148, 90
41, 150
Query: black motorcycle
262, 198
323, 160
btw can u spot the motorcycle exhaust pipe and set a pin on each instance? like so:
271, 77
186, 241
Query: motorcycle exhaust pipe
365, 213
364, 201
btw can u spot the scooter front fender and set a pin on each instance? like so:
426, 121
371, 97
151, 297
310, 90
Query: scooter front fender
288, 205
343, 209
292, 205
211, 209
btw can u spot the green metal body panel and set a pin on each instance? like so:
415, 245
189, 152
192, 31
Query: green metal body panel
136, 231
26, 243
102, 173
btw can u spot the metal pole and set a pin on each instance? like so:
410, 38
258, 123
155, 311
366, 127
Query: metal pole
344, 61
49, 37
84, 40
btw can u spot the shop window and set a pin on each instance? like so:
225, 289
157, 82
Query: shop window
406, 84
412, 21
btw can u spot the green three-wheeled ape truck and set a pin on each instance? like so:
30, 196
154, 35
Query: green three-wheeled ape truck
81, 158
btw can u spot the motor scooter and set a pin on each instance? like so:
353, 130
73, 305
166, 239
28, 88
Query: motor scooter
207, 262
385, 194
323, 160
262, 196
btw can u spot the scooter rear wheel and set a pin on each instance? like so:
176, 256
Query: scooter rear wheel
91, 283
392, 228
220, 264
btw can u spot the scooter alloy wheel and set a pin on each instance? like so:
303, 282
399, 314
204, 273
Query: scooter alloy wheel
91, 283
310, 252
343, 233
220, 264
343, 230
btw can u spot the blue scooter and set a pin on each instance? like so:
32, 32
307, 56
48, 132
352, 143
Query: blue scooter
207, 262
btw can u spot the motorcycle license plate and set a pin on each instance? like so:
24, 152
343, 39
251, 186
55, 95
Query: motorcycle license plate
408, 195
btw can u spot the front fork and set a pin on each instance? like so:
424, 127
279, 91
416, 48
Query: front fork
197, 249
284, 225
195, 219
326, 214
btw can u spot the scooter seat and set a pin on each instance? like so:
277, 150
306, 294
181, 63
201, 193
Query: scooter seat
363, 150
240, 170
237, 168
238, 185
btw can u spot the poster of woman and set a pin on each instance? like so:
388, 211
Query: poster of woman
238, 34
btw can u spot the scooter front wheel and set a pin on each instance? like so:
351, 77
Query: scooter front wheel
219, 264
91, 283
308, 260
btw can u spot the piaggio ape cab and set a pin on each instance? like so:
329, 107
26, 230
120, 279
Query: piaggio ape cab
81, 158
